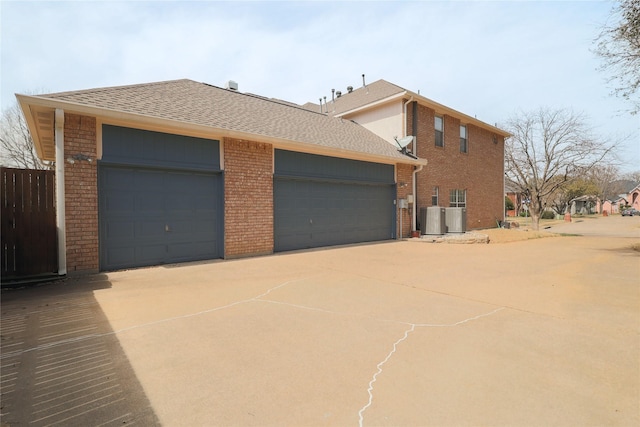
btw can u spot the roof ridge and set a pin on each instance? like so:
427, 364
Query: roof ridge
264, 98
108, 88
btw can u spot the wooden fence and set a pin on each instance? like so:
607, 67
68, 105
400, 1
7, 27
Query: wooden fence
29, 235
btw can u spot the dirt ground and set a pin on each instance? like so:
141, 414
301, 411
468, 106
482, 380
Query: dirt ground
537, 332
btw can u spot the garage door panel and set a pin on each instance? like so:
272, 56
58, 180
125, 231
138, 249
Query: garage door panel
119, 204
149, 203
157, 224
318, 213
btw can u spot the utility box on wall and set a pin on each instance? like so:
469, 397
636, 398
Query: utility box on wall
456, 220
432, 220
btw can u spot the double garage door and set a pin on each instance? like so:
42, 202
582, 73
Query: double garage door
324, 201
160, 199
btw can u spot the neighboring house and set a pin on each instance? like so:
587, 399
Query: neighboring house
584, 205
517, 197
612, 204
465, 155
630, 197
179, 170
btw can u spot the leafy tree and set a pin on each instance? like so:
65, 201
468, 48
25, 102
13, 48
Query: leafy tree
549, 149
618, 45
16, 145
574, 188
508, 204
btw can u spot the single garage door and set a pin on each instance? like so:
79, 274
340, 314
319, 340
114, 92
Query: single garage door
160, 199
324, 201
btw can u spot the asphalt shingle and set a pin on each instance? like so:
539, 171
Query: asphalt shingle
202, 104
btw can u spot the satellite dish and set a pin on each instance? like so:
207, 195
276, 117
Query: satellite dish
404, 141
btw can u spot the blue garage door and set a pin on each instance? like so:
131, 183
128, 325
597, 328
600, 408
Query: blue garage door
160, 199
324, 201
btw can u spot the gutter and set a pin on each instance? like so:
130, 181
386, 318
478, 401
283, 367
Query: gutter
60, 194
141, 121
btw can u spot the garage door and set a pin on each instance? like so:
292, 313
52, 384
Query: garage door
160, 199
324, 201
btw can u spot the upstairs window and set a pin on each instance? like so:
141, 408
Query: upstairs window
464, 145
434, 197
439, 125
458, 198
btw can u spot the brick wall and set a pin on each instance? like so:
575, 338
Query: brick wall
404, 179
81, 194
248, 193
479, 171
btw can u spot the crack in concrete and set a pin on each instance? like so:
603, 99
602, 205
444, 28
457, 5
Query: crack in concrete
395, 347
260, 298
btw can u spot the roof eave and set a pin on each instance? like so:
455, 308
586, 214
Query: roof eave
455, 113
382, 101
29, 104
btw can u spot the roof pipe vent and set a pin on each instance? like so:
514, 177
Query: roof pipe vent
231, 85
333, 92
363, 83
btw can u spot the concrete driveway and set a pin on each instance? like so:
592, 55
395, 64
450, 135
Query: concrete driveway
538, 332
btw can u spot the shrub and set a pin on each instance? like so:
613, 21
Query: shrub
508, 204
548, 215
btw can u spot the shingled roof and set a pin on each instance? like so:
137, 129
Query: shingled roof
223, 112
382, 91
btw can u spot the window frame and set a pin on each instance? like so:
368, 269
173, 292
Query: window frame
457, 198
439, 133
435, 196
464, 141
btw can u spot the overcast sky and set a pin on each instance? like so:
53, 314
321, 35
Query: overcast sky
485, 59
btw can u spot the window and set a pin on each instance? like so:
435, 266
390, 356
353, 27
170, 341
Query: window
434, 197
458, 198
463, 139
439, 125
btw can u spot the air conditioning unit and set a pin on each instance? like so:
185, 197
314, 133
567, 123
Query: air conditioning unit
456, 220
432, 220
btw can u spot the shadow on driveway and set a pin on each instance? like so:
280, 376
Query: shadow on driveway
62, 363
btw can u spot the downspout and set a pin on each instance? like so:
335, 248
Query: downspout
60, 195
415, 209
404, 132
404, 124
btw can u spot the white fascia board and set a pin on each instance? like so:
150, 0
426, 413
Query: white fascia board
443, 109
373, 104
141, 121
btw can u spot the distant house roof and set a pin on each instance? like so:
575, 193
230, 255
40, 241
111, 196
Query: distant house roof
511, 186
380, 92
199, 107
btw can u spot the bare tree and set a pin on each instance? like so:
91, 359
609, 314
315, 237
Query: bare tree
619, 46
16, 145
604, 178
547, 150
632, 176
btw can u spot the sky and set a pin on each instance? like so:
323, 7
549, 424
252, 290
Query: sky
488, 59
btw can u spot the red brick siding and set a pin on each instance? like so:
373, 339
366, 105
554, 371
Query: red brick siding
404, 180
81, 194
248, 194
479, 171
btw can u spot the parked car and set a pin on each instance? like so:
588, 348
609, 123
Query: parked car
630, 212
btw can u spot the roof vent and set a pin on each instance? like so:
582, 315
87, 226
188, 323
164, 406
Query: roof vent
338, 94
349, 89
231, 85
